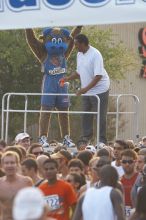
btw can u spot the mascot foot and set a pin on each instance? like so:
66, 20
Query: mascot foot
68, 142
44, 143
100, 145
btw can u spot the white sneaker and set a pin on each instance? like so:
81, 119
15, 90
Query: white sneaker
68, 142
44, 143
100, 145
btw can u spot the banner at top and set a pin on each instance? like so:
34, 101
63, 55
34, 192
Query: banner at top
16, 14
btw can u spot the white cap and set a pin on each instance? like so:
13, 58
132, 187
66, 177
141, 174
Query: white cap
21, 136
91, 148
143, 138
29, 203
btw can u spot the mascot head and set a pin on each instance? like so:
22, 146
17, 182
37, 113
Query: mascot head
55, 40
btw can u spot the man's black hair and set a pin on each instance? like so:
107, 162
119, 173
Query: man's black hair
122, 143
51, 160
85, 156
30, 163
76, 163
109, 175
82, 38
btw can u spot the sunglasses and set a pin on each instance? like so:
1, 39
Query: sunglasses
38, 153
127, 161
118, 148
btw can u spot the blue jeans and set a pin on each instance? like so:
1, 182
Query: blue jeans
90, 104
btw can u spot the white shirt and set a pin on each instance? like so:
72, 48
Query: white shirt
97, 204
89, 65
118, 168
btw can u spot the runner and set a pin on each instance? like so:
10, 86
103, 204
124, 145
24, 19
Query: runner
11, 183
105, 203
59, 194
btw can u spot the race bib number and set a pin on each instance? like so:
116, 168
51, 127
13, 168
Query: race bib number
53, 202
56, 71
127, 211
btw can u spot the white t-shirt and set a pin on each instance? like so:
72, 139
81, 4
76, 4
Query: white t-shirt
97, 204
118, 168
89, 65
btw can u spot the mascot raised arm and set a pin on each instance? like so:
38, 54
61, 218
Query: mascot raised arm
52, 49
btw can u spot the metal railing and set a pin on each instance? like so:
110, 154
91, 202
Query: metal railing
6, 110
6, 102
135, 113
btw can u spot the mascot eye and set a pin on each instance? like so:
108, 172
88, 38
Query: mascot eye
54, 40
59, 40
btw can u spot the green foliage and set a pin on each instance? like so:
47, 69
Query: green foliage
19, 72
18, 65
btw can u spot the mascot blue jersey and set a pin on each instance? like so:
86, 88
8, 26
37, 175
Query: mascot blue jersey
54, 68
55, 64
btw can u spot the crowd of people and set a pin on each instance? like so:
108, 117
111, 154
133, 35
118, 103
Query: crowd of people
63, 184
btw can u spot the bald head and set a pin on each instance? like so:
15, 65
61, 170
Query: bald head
142, 152
109, 176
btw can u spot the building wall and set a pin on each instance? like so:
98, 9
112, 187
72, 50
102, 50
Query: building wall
133, 84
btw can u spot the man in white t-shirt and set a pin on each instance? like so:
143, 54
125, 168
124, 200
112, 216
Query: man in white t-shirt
104, 203
94, 81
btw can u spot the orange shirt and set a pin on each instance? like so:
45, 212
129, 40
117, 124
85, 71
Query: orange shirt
59, 197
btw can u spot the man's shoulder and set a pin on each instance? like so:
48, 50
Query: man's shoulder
58, 182
94, 50
115, 193
63, 183
24, 179
2, 179
43, 184
91, 53
59, 185
116, 196
131, 179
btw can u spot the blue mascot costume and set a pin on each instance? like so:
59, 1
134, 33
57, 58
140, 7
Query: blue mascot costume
52, 49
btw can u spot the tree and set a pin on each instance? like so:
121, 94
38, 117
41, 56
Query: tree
19, 72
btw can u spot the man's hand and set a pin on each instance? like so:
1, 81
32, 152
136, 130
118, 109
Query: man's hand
62, 81
81, 91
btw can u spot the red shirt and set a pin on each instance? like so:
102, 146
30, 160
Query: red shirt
59, 197
127, 186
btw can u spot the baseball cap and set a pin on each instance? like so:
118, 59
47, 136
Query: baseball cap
29, 204
21, 136
144, 138
91, 148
